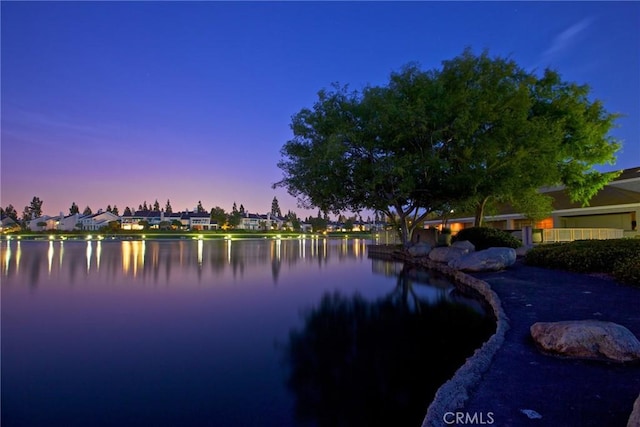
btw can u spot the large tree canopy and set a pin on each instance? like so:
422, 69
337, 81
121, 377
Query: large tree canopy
477, 128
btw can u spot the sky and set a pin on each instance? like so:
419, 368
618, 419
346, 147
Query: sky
116, 103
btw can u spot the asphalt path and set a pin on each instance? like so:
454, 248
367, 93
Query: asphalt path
524, 387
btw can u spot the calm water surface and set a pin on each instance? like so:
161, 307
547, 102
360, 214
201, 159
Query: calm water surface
228, 333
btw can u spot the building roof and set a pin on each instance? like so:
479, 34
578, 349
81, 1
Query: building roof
631, 173
623, 190
610, 195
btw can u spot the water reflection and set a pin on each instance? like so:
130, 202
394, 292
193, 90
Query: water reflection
196, 322
155, 259
361, 363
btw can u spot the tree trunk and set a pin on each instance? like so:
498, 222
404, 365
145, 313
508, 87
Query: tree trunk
479, 216
404, 232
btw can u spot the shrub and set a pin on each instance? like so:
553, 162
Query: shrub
628, 271
485, 237
620, 257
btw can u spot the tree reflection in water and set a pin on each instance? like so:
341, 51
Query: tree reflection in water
361, 363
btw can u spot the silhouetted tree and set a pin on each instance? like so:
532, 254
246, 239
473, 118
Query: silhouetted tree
74, 209
275, 208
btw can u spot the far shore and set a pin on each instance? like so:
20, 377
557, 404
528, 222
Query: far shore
181, 235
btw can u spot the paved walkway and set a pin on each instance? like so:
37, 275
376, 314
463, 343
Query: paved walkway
563, 392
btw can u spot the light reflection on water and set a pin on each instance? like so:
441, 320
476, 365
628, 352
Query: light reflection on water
181, 332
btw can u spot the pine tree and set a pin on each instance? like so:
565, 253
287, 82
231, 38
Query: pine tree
275, 208
156, 206
74, 209
127, 211
87, 211
167, 208
115, 210
10, 211
35, 207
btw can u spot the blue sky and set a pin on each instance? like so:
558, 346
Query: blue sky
121, 102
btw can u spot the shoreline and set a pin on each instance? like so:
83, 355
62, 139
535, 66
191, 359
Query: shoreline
455, 392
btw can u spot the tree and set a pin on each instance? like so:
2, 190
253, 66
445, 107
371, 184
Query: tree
127, 211
111, 227
511, 132
144, 206
292, 218
35, 207
108, 208
114, 210
167, 208
199, 208
233, 219
477, 129
275, 208
156, 206
241, 211
379, 150
10, 211
26, 215
318, 224
87, 211
74, 209
219, 216
348, 224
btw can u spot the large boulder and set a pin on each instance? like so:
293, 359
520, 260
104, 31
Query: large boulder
491, 259
447, 253
420, 250
464, 244
587, 339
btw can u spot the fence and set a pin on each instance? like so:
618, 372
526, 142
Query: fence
571, 234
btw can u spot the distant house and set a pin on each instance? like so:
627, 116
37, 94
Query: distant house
98, 220
616, 206
201, 221
42, 223
135, 220
7, 224
69, 222
274, 222
250, 221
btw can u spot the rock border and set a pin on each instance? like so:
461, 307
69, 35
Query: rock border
454, 393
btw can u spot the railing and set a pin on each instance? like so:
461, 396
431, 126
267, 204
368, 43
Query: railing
571, 234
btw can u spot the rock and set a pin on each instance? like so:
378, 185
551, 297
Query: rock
420, 250
587, 339
634, 419
446, 253
487, 260
464, 244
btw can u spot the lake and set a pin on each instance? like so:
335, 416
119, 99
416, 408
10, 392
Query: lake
264, 332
